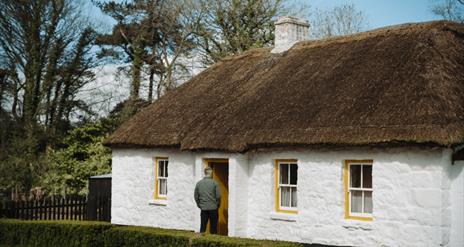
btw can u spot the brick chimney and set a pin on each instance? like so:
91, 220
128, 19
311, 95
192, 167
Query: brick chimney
288, 31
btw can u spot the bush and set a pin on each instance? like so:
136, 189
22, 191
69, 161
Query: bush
51, 233
145, 236
215, 240
87, 233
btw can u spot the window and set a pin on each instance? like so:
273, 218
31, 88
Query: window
286, 186
358, 189
161, 178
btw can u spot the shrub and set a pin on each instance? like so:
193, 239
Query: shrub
51, 233
145, 236
87, 233
215, 240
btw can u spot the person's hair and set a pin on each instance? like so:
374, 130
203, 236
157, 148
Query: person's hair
208, 171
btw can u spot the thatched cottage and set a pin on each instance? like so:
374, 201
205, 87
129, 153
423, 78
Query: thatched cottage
353, 140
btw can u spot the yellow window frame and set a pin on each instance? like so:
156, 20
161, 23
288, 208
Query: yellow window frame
346, 175
276, 186
157, 196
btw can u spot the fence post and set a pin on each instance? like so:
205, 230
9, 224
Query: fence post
53, 202
47, 209
73, 208
28, 210
58, 209
86, 212
67, 207
20, 209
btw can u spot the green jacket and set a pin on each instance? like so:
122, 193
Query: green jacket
207, 194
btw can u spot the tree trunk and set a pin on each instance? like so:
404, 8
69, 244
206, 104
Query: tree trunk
150, 84
159, 87
137, 64
2, 87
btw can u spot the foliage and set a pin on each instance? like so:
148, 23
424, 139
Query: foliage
145, 236
452, 10
75, 233
51, 233
234, 26
150, 33
341, 20
20, 165
44, 49
82, 155
45, 61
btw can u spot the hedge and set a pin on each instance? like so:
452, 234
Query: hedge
87, 233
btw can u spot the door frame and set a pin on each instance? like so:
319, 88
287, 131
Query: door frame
222, 161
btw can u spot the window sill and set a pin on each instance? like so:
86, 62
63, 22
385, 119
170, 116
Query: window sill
283, 216
158, 202
359, 217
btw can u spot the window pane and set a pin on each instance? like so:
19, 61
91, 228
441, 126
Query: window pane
283, 173
293, 174
163, 188
294, 197
285, 196
356, 201
355, 176
160, 169
166, 168
367, 176
368, 202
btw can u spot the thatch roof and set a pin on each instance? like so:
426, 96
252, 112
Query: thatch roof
396, 85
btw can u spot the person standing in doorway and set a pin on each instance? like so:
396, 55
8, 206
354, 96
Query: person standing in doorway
208, 198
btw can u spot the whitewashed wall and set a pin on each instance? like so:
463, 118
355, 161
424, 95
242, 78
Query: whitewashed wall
133, 188
456, 175
411, 199
413, 191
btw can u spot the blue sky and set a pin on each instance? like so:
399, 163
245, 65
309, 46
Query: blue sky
379, 13
382, 13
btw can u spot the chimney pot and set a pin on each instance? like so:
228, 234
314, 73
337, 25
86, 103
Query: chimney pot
288, 31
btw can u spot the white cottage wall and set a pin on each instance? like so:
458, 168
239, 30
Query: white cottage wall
456, 173
133, 189
411, 199
418, 196
238, 195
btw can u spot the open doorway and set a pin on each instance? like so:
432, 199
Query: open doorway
221, 176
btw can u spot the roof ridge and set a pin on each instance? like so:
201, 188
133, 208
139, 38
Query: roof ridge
381, 31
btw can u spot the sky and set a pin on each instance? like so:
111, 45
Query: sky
379, 13
382, 13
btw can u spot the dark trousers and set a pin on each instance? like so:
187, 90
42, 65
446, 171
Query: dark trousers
212, 216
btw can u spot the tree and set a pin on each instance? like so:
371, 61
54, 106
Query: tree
340, 20
233, 26
153, 34
45, 53
452, 10
82, 154
45, 48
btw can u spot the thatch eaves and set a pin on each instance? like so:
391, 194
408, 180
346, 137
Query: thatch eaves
396, 85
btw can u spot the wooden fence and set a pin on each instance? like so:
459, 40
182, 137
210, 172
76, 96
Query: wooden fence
68, 208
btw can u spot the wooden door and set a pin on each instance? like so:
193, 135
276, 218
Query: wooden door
221, 175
